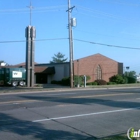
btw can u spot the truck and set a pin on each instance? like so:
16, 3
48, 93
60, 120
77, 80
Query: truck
12, 76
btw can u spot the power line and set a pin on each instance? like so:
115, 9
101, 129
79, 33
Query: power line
106, 35
19, 41
80, 40
102, 44
16, 41
121, 3
35, 9
100, 13
51, 39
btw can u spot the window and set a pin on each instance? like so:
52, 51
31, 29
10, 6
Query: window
98, 73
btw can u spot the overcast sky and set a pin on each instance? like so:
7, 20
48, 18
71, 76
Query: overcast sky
109, 22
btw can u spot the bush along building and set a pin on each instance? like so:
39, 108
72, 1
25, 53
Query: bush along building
96, 67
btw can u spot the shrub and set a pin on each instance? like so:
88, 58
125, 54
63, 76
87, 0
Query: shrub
53, 82
56, 82
87, 78
94, 83
101, 82
89, 84
118, 79
80, 79
111, 83
131, 80
65, 81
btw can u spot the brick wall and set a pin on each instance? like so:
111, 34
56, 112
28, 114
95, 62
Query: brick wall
88, 65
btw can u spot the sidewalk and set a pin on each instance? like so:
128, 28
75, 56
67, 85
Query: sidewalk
59, 88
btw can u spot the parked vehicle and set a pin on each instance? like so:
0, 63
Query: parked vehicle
12, 76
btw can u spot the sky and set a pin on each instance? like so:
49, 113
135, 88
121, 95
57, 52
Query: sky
104, 22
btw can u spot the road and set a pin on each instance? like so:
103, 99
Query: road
69, 115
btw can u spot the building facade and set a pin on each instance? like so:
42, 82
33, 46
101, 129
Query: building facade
54, 71
97, 67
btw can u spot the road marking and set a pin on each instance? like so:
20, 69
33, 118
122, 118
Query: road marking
59, 94
83, 115
16, 102
101, 95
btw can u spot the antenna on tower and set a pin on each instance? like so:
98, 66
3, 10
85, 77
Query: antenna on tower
30, 7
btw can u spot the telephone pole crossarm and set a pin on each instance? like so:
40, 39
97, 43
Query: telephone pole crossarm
70, 9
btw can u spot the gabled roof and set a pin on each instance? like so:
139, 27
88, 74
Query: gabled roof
94, 55
23, 64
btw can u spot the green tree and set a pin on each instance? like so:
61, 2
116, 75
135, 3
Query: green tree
1, 61
58, 58
130, 73
130, 76
80, 79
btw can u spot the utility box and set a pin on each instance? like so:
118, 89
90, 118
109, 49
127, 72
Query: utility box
73, 22
13, 76
85, 79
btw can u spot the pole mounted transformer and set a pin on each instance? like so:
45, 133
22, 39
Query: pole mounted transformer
73, 22
30, 35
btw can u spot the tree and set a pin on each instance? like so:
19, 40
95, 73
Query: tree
1, 61
130, 73
130, 76
58, 58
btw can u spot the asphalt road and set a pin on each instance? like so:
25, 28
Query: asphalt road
69, 115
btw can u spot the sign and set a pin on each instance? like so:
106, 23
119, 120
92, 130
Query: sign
16, 74
131, 133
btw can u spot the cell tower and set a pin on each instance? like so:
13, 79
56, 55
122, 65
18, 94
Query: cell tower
30, 34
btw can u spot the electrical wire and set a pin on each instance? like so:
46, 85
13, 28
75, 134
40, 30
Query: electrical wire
88, 32
91, 42
52, 39
115, 46
97, 12
26, 10
121, 3
19, 41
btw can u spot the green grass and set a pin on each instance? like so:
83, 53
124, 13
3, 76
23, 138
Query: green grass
120, 137
117, 85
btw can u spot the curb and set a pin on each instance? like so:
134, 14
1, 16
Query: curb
14, 92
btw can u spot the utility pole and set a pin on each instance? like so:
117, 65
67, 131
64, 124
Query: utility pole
30, 7
30, 50
70, 43
30, 34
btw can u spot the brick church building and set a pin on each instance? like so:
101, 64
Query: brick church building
96, 66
